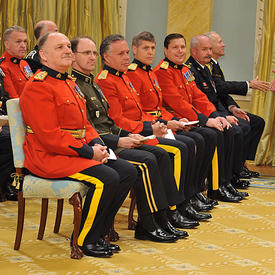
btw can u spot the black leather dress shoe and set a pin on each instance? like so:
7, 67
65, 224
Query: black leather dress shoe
253, 174
240, 184
206, 200
179, 221
199, 205
11, 192
244, 175
169, 228
156, 235
96, 250
113, 247
235, 192
223, 195
189, 212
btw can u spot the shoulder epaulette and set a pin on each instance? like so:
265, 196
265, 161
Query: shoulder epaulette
187, 65
41, 75
72, 78
164, 65
103, 75
132, 66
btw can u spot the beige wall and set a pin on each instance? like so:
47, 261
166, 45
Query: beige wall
189, 17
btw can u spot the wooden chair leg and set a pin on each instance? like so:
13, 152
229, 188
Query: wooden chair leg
43, 218
113, 235
131, 222
76, 202
58, 217
20, 220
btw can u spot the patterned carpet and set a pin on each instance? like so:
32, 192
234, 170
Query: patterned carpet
240, 239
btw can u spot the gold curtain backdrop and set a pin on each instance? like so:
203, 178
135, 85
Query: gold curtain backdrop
263, 104
183, 18
96, 18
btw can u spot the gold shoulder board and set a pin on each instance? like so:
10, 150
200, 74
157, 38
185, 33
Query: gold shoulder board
41, 75
164, 65
187, 65
72, 78
103, 75
132, 66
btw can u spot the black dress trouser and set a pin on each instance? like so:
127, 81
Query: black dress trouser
108, 185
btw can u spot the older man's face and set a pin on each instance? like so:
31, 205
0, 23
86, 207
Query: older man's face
203, 51
217, 45
56, 53
16, 44
118, 56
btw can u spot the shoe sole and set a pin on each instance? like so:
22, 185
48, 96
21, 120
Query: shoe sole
145, 238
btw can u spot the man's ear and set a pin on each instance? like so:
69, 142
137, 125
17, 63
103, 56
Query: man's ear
134, 50
6, 43
165, 51
42, 56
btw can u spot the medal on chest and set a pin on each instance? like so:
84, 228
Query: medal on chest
27, 71
78, 91
133, 88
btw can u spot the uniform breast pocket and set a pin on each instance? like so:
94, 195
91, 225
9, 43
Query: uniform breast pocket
66, 107
95, 108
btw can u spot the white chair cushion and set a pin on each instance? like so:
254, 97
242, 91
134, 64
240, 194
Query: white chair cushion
35, 187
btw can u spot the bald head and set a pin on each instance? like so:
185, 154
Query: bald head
201, 49
55, 51
44, 26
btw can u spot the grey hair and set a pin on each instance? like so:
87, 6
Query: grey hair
195, 40
107, 41
11, 29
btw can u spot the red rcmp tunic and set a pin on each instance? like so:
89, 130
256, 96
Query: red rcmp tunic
125, 107
180, 91
146, 83
52, 103
17, 72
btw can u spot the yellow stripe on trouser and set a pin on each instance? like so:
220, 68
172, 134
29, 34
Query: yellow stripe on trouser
215, 170
93, 206
149, 193
177, 161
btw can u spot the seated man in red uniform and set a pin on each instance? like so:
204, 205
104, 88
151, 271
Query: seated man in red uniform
61, 144
16, 70
184, 98
145, 81
126, 111
152, 163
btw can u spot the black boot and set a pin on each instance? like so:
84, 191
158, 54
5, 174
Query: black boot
206, 200
240, 184
222, 194
162, 220
180, 221
148, 229
199, 205
235, 192
189, 212
10, 192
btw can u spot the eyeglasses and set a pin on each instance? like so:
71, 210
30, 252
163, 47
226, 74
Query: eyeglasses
87, 53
